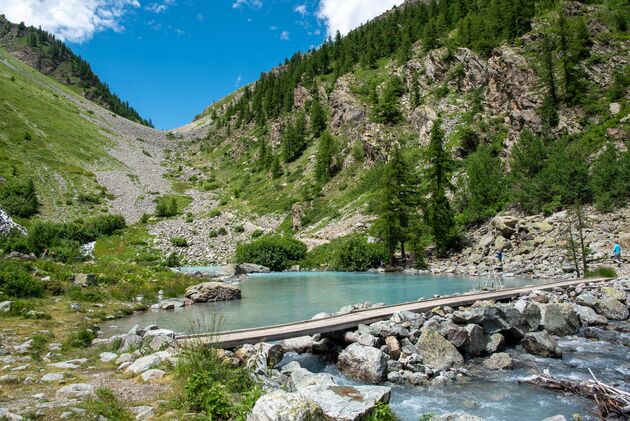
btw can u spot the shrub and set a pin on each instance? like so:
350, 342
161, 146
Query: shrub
82, 339
277, 253
382, 412
214, 213
179, 242
166, 207
222, 231
18, 198
105, 405
16, 282
257, 233
239, 229
349, 254
602, 272
173, 260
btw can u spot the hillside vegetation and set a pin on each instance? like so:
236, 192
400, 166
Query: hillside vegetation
429, 121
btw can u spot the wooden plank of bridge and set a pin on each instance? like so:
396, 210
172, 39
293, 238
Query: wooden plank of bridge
232, 339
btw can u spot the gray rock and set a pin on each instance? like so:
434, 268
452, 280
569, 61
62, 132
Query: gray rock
107, 356
130, 342
212, 292
84, 279
280, 405
52, 377
5, 414
490, 318
160, 332
561, 319
455, 334
70, 364
474, 344
437, 352
5, 306
346, 403
153, 374
498, 361
159, 343
301, 378
387, 328
76, 391
493, 343
394, 377
586, 299
363, 363
143, 412
301, 345
522, 319
247, 268
542, 344
588, 316
143, 364
611, 308
556, 418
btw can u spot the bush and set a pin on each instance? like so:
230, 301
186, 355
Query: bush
277, 253
166, 207
239, 229
602, 272
173, 261
16, 282
257, 233
82, 339
105, 405
179, 242
211, 386
382, 412
18, 198
214, 213
349, 254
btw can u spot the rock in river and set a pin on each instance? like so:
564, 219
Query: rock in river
541, 343
363, 363
437, 352
213, 291
280, 405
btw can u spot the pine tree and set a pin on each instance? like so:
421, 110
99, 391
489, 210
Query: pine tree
276, 168
440, 216
325, 156
387, 110
397, 204
416, 100
318, 118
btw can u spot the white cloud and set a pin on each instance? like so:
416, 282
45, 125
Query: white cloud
284, 35
254, 4
71, 20
345, 15
156, 8
301, 9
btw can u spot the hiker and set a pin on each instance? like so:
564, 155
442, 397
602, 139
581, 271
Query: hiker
617, 254
499, 257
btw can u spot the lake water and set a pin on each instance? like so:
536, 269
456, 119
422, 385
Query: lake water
277, 298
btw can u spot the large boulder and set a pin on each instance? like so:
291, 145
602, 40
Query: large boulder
346, 403
588, 316
542, 344
213, 291
521, 319
561, 319
506, 225
611, 308
246, 268
363, 363
474, 344
280, 405
455, 334
301, 378
437, 352
490, 318
303, 345
387, 328
498, 361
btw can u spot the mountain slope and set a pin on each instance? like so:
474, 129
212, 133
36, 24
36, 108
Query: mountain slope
477, 68
82, 158
44, 52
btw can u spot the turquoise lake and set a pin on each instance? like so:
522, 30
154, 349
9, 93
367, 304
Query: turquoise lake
277, 298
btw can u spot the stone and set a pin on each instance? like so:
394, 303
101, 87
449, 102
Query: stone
455, 334
301, 345
366, 339
490, 318
542, 344
394, 377
160, 332
556, 418
7, 415
71, 364
387, 328
586, 299
76, 391
5, 306
561, 319
613, 293
280, 405
52, 377
346, 403
130, 342
522, 318
493, 343
160, 343
363, 363
498, 361
84, 279
171, 304
123, 358
614, 108
437, 352
213, 292
506, 225
153, 374
247, 268
107, 356
143, 364
394, 346
474, 344
588, 316
143, 412
611, 308
300, 378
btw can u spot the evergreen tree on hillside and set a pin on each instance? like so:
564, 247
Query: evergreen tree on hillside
318, 118
325, 156
387, 110
610, 180
397, 203
276, 168
440, 216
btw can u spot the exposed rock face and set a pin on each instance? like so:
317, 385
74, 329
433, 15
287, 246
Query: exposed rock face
363, 363
541, 343
437, 352
280, 405
7, 225
345, 108
212, 292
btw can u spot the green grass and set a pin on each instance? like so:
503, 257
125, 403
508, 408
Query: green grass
43, 136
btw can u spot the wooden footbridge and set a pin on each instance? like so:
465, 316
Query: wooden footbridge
235, 338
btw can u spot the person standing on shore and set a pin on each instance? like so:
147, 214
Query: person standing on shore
617, 253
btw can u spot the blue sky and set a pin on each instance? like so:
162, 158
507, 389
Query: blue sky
172, 58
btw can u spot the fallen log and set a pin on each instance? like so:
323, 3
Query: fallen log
612, 402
